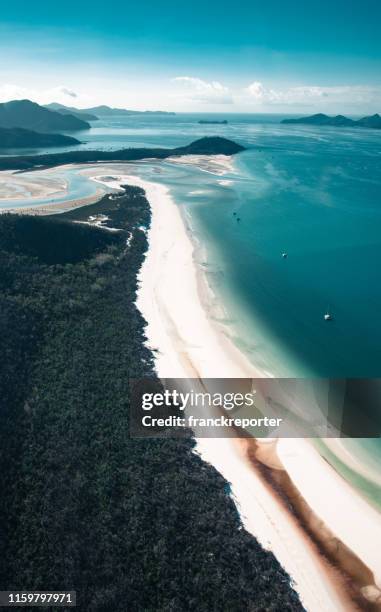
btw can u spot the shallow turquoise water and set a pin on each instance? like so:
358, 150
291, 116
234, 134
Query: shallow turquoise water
324, 211
314, 194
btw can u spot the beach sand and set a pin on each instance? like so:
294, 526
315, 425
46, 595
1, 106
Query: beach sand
325, 536
174, 300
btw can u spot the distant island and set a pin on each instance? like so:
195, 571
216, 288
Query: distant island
71, 110
207, 122
31, 116
212, 145
14, 138
108, 111
373, 121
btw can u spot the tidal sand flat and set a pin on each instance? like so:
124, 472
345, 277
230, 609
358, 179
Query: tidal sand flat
16, 186
42, 191
216, 164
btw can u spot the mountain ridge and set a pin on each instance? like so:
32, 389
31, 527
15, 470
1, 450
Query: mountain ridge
71, 110
31, 116
104, 110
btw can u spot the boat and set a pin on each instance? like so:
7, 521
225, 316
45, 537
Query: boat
210, 122
284, 255
328, 316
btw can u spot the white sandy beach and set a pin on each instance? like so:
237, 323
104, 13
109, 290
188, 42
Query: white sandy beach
172, 299
180, 310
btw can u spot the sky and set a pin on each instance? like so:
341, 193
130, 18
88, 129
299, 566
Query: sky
276, 56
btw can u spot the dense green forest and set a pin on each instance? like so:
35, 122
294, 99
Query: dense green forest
209, 145
133, 525
16, 138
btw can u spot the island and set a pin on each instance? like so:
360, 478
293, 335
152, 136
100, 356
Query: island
210, 122
209, 145
140, 521
16, 138
108, 111
31, 116
373, 121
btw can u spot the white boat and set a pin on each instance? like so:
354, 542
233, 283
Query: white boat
327, 316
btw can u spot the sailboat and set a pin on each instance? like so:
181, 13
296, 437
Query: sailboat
328, 316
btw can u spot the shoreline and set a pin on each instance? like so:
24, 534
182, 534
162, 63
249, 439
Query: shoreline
162, 314
57, 208
178, 325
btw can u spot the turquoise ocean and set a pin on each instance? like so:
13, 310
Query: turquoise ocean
311, 192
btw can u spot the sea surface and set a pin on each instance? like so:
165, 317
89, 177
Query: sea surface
311, 192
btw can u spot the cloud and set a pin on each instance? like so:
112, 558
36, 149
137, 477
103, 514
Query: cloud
293, 95
258, 91
10, 91
66, 92
211, 92
313, 95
